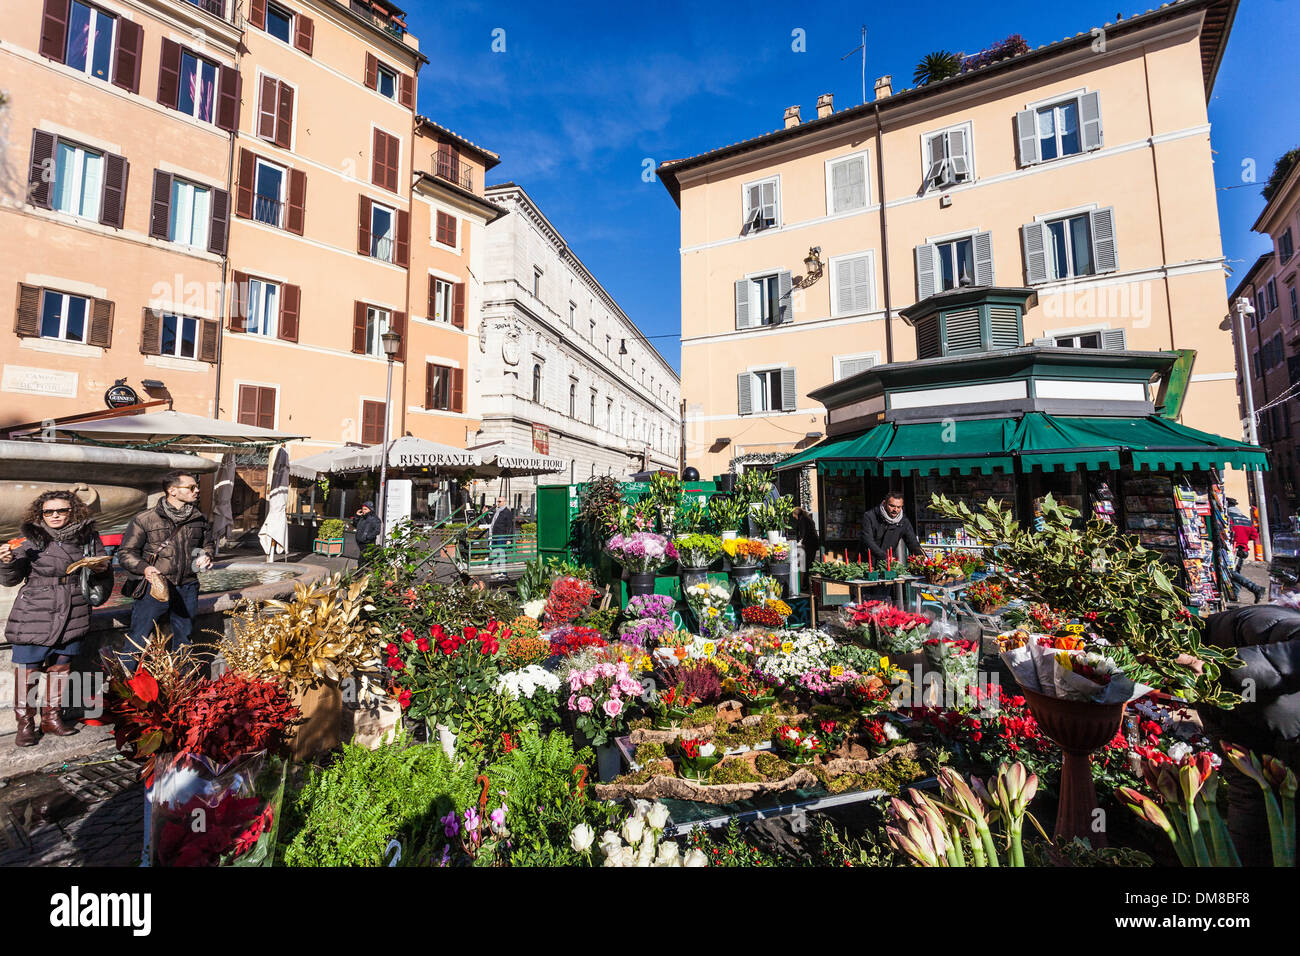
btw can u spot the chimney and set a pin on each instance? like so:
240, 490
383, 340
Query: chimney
791, 116
825, 105
884, 86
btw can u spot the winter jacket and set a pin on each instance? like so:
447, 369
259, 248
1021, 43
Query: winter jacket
503, 523
50, 610
367, 529
152, 538
880, 538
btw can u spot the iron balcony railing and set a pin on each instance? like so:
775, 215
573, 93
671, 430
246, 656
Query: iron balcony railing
450, 169
267, 210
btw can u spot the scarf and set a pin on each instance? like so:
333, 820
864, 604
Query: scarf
885, 514
67, 534
178, 515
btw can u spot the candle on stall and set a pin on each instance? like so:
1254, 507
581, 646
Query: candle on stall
869, 565
889, 561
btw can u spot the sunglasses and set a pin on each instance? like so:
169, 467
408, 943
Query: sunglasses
187, 487
56, 511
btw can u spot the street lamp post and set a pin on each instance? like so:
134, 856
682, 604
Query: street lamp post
1244, 308
391, 342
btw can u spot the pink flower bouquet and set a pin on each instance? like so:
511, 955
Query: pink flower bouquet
599, 699
641, 552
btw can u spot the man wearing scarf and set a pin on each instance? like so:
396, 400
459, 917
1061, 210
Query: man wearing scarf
884, 526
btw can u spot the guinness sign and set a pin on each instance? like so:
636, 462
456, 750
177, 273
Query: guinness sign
121, 395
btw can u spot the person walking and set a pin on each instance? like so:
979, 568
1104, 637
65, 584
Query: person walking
884, 526
367, 525
167, 545
50, 615
805, 532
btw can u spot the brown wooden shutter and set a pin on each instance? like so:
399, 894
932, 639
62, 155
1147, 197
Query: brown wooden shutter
169, 74
428, 383
112, 210
406, 91
228, 87
372, 422
160, 212
151, 332
266, 408
284, 121
403, 238
290, 302
219, 224
267, 103
398, 325
304, 33
372, 71
248, 401
363, 226
244, 188
359, 328
458, 305
257, 14
54, 30
28, 320
379, 158
458, 390
40, 177
451, 230
431, 309
238, 302
101, 323
130, 48
440, 230
394, 161
295, 222
209, 336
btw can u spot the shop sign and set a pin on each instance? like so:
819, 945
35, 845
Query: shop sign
49, 382
541, 439
120, 396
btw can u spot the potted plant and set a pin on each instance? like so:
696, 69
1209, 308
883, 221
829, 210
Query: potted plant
695, 553
642, 553
774, 516
329, 537
598, 703
744, 555
728, 511
796, 745
697, 757
669, 708
985, 597
756, 696
778, 560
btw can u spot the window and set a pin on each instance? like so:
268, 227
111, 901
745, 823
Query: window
537, 383
279, 23
442, 301
956, 263
1295, 305
439, 390
1069, 247
947, 158
268, 200
762, 205
853, 284
90, 40
256, 406
573, 399
386, 158
573, 315
64, 316
190, 214
1065, 128
846, 184
768, 390
446, 229
591, 332
1261, 309
591, 410
373, 416
608, 340
263, 308
1285, 245
848, 365
198, 89
1271, 289
377, 322
1058, 130
386, 82
537, 283
763, 300
78, 180
609, 414
1085, 340
180, 336
382, 221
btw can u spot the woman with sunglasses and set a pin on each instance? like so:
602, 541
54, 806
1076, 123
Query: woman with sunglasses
50, 615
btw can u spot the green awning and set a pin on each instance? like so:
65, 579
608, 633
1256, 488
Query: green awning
1160, 444
1043, 441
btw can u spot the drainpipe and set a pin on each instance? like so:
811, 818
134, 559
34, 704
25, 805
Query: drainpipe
884, 240
230, 229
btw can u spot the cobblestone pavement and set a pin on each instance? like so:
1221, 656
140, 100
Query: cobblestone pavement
88, 812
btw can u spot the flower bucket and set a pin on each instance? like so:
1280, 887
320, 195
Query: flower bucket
608, 762
729, 535
322, 726
773, 537
692, 576
446, 740
779, 570
640, 583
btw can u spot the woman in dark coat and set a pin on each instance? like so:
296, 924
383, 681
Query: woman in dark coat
50, 616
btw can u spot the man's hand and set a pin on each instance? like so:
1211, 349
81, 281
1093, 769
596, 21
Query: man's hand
151, 572
203, 561
6, 554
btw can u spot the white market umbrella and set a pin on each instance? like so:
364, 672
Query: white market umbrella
223, 516
174, 430
410, 452
322, 463
512, 461
274, 533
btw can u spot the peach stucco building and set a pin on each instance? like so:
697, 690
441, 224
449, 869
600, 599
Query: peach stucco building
1081, 169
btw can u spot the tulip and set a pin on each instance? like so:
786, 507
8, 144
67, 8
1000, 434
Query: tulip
1281, 827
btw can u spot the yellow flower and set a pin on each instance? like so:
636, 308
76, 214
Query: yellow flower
647, 664
708, 649
837, 671
787, 647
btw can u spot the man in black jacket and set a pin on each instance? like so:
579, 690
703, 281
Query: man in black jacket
367, 525
884, 526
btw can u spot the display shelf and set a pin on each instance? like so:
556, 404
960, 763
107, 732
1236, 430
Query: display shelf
846, 503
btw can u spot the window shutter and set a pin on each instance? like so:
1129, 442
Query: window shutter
451, 230
926, 254
372, 72
130, 47
1113, 339
1035, 239
852, 286
112, 209
769, 202
431, 308
406, 91
219, 223
290, 303
209, 336
294, 222
151, 332
982, 242
839, 186
785, 305
244, 188
101, 323
1090, 120
753, 207
363, 226
40, 176
239, 302
247, 405
961, 331
54, 30
863, 291
428, 384
379, 158
403, 238
359, 328
745, 386
257, 14
848, 184
789, 398
169, 74
398, 325
851, 367
958, 155
266, 407
266, 108
843, 288
935, 160
743, 320
458, 390
161, 208
1027, 134
304, 33
28, 320
284, 117
228, 86
458, 305
1103, 239
1004, 327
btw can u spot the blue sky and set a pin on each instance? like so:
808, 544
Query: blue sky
583, 96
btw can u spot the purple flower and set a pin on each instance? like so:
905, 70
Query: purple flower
450, 825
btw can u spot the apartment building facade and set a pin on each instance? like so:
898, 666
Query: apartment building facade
560, 367
1081, 169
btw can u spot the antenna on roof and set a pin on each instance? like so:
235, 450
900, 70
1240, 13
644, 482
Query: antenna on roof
863, 48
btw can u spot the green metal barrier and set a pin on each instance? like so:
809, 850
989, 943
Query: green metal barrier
491, 551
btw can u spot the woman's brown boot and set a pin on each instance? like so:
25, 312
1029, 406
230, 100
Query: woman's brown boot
52, 712
25, 683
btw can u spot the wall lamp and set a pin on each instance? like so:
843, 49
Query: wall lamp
813, 264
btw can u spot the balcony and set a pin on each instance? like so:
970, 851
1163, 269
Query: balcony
452, 170
215, 7
373, 13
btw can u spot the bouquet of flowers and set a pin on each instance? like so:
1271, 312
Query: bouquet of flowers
879, 733
569, 597
599, 698
956, 660
772, 613
441, 674
669, 708
796, 745
938, 567
755, 694
641, 552
707, 602
651, 606
698, 551
759, 591
797, 653
985, 596
697, 757
889, 628
1064, 667
565, 641
745, 552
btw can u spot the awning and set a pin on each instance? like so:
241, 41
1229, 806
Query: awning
512, 461
409, 452
892, 449
178, 430
322, 463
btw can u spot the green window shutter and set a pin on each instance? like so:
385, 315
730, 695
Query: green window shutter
745, 388
927, 338
1004, 327
1103, 239
926, 271
961, 331
789, 397
1090, 120
982, 242
743, 310
1027, 135
1035, 239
